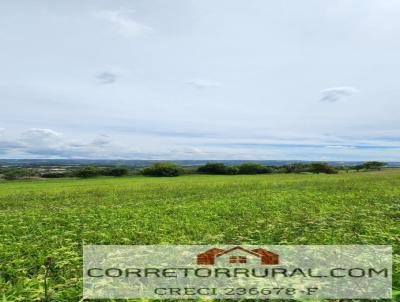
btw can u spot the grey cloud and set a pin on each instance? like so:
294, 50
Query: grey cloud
4, 145
47, 142
101, 140
336, 94
106, 77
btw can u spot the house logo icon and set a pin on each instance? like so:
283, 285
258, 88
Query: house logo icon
237, 255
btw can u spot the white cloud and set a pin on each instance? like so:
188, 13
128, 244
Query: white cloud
123, 22
202, 84
336, 94
40, 135
339, 147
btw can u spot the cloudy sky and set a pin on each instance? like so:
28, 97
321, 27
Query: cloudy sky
204, 79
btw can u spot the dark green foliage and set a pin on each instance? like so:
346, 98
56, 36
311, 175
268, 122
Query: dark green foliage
218, 169
317, 167
369, 165
294, 168
253, 168
373, 165
213, 168
231, 170
16, 173
115, 171
54, 174
322, 168
89, 171
163, 169
358, 167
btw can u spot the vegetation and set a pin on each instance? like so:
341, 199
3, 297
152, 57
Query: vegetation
163, 169
171, 169
43, 224
115, 171
90, 171
369, 165
253, 168
213, 168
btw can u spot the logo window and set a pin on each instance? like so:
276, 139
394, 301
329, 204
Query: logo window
237, 259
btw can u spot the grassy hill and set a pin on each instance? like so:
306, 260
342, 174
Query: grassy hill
54, 218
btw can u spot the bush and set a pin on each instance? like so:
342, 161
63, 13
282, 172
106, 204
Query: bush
322, 168
294, 168
212, 168
229, 170
373, 165
218, 168
86, 172
163, 169
12, 174
54, 174
116, 171
253, 168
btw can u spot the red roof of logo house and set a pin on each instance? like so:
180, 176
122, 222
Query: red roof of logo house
266, 257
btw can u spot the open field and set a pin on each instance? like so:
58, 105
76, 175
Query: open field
54, 218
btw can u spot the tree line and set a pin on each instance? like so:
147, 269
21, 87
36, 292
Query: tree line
171, 169
168, 169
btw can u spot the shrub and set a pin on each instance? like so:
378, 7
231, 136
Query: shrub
12, 174
86, 172
54, 174
116, 171
294, 168
217, 168
373, 165
229, 170
253, 168
212, 168
163, 169
322, 168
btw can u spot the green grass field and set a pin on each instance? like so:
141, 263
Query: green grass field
54, 218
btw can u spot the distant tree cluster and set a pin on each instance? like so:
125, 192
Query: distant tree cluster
163, 169
93, 171
369, 165
166, 169
254, 168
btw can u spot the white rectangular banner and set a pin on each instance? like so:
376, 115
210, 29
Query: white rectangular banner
237, 272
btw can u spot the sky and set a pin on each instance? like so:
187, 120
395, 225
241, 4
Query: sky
184, 79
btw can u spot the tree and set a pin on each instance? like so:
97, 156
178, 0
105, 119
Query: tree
218, 168
89, 171
213, 168
358, 167
163, 169
322, 168
373, 165
17, 173
54, 174
253, 168
231, 170
115, 171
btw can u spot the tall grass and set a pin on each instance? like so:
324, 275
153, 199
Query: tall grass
42, 220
